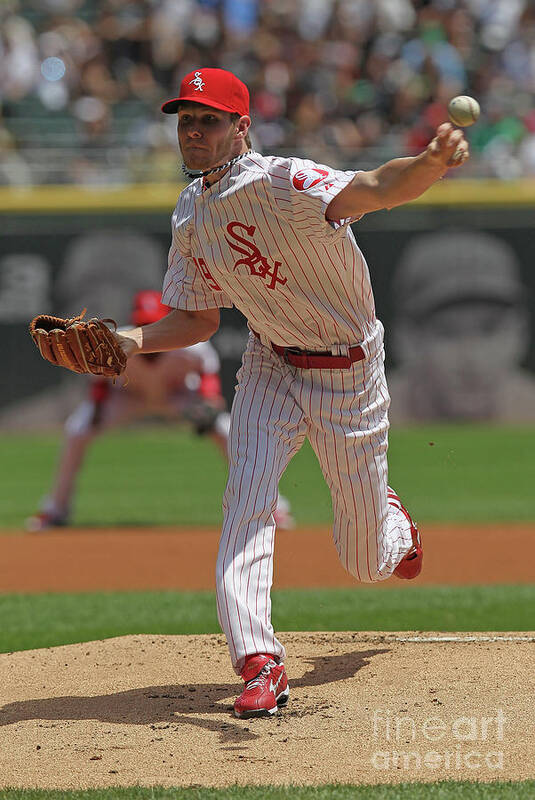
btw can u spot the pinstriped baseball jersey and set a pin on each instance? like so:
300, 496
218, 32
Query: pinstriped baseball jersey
258, 239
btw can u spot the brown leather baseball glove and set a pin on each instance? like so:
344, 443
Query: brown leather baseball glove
87, 347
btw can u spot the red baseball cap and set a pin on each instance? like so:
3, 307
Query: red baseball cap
216, 88
148, 307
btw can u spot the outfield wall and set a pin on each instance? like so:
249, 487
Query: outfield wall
452, 274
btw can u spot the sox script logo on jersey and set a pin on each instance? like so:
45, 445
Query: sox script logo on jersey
253, 256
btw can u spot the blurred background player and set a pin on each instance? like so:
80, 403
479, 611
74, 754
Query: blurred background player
461, 331
176, 385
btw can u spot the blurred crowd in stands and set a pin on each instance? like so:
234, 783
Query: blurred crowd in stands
345, 82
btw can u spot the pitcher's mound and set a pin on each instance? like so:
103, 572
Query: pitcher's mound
364, 708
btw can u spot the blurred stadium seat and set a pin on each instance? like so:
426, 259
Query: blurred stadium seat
350, 83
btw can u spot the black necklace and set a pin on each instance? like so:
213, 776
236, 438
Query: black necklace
197, 173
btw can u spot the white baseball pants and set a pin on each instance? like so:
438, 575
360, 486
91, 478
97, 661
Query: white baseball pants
344, 415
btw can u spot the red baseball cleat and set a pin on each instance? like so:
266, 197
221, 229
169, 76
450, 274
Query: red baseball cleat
410, 565
266, 687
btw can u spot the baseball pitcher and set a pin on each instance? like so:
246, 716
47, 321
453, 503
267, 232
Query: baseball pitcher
272, 236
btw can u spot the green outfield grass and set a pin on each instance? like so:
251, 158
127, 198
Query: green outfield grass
442, 790
167, 476
31, 621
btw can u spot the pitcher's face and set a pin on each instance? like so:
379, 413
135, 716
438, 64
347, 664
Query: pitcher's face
206, 136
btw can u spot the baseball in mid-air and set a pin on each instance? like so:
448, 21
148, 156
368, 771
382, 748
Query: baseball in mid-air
463, 110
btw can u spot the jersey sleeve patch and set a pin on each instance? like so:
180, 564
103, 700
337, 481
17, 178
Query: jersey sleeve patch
311, 188
305, 179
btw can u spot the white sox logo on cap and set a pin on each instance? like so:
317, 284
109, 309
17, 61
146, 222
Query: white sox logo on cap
306, 178
198, 82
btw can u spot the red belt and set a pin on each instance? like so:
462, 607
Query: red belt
312, 359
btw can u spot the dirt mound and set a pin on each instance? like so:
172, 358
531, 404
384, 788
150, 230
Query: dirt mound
364, 708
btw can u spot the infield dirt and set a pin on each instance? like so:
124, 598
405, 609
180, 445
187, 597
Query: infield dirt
78, 559
364, 708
